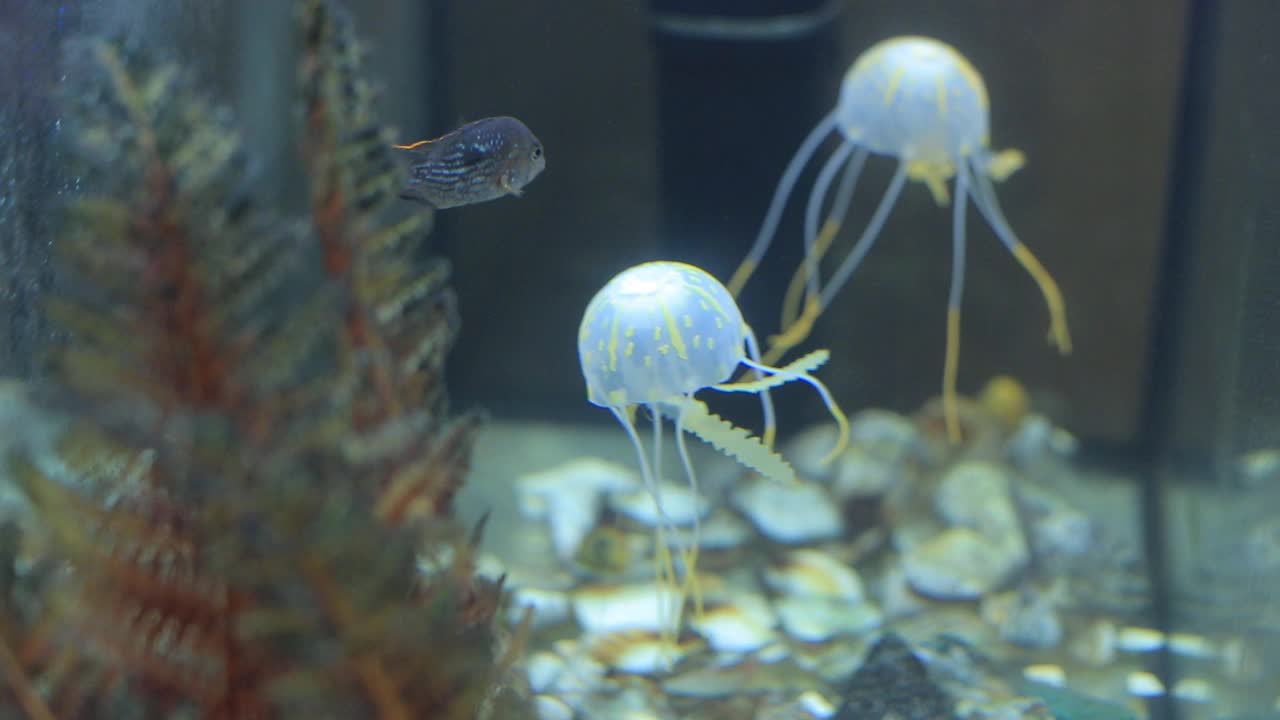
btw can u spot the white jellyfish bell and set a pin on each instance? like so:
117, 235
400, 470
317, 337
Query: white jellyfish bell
917, 100
654, 336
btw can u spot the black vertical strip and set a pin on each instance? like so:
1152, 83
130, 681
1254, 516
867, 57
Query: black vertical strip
740, 83
1156, 441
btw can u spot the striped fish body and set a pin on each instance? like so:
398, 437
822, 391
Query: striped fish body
480, 161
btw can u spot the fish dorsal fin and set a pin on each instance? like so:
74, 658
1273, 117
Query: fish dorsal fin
415, 145
733, 441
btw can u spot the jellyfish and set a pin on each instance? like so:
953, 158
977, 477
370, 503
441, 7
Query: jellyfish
655, 335
918, 100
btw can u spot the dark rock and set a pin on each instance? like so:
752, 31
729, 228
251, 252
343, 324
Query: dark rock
893, 684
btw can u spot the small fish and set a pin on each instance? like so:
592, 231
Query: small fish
480, 161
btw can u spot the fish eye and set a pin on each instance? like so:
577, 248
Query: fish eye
537, 152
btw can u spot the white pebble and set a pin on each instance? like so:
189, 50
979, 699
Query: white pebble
1046, 674
570, 497
1140, 640
812, 573
1144, 684
679, 504
551, 708
543, 669
1193, 689
790, 512
816, 705
549, 606
743, 626
820, 619
606, 609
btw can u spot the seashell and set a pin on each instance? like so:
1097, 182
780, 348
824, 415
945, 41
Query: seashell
551, 708
679, 503
605, 609
637, 653
815, 619
1046, 674
790, 513
812, 573
959, 564
742, 626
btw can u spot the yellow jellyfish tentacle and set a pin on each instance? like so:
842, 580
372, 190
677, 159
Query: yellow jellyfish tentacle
689, 553
807, 363
664, 566
796, 288
798, 331
826, 236
951, 361
794, 334
813, 209
1002, 164
984, 197
869, 235
842, 421
786, 184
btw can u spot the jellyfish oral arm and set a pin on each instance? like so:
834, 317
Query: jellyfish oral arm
984, 198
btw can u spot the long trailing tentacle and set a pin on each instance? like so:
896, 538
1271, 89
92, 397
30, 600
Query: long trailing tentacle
868, 238
826, 236
813, 209
664, 569
786, 184
766, 402
798, 331
984, 198
951, 361
690, 551
842, 422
